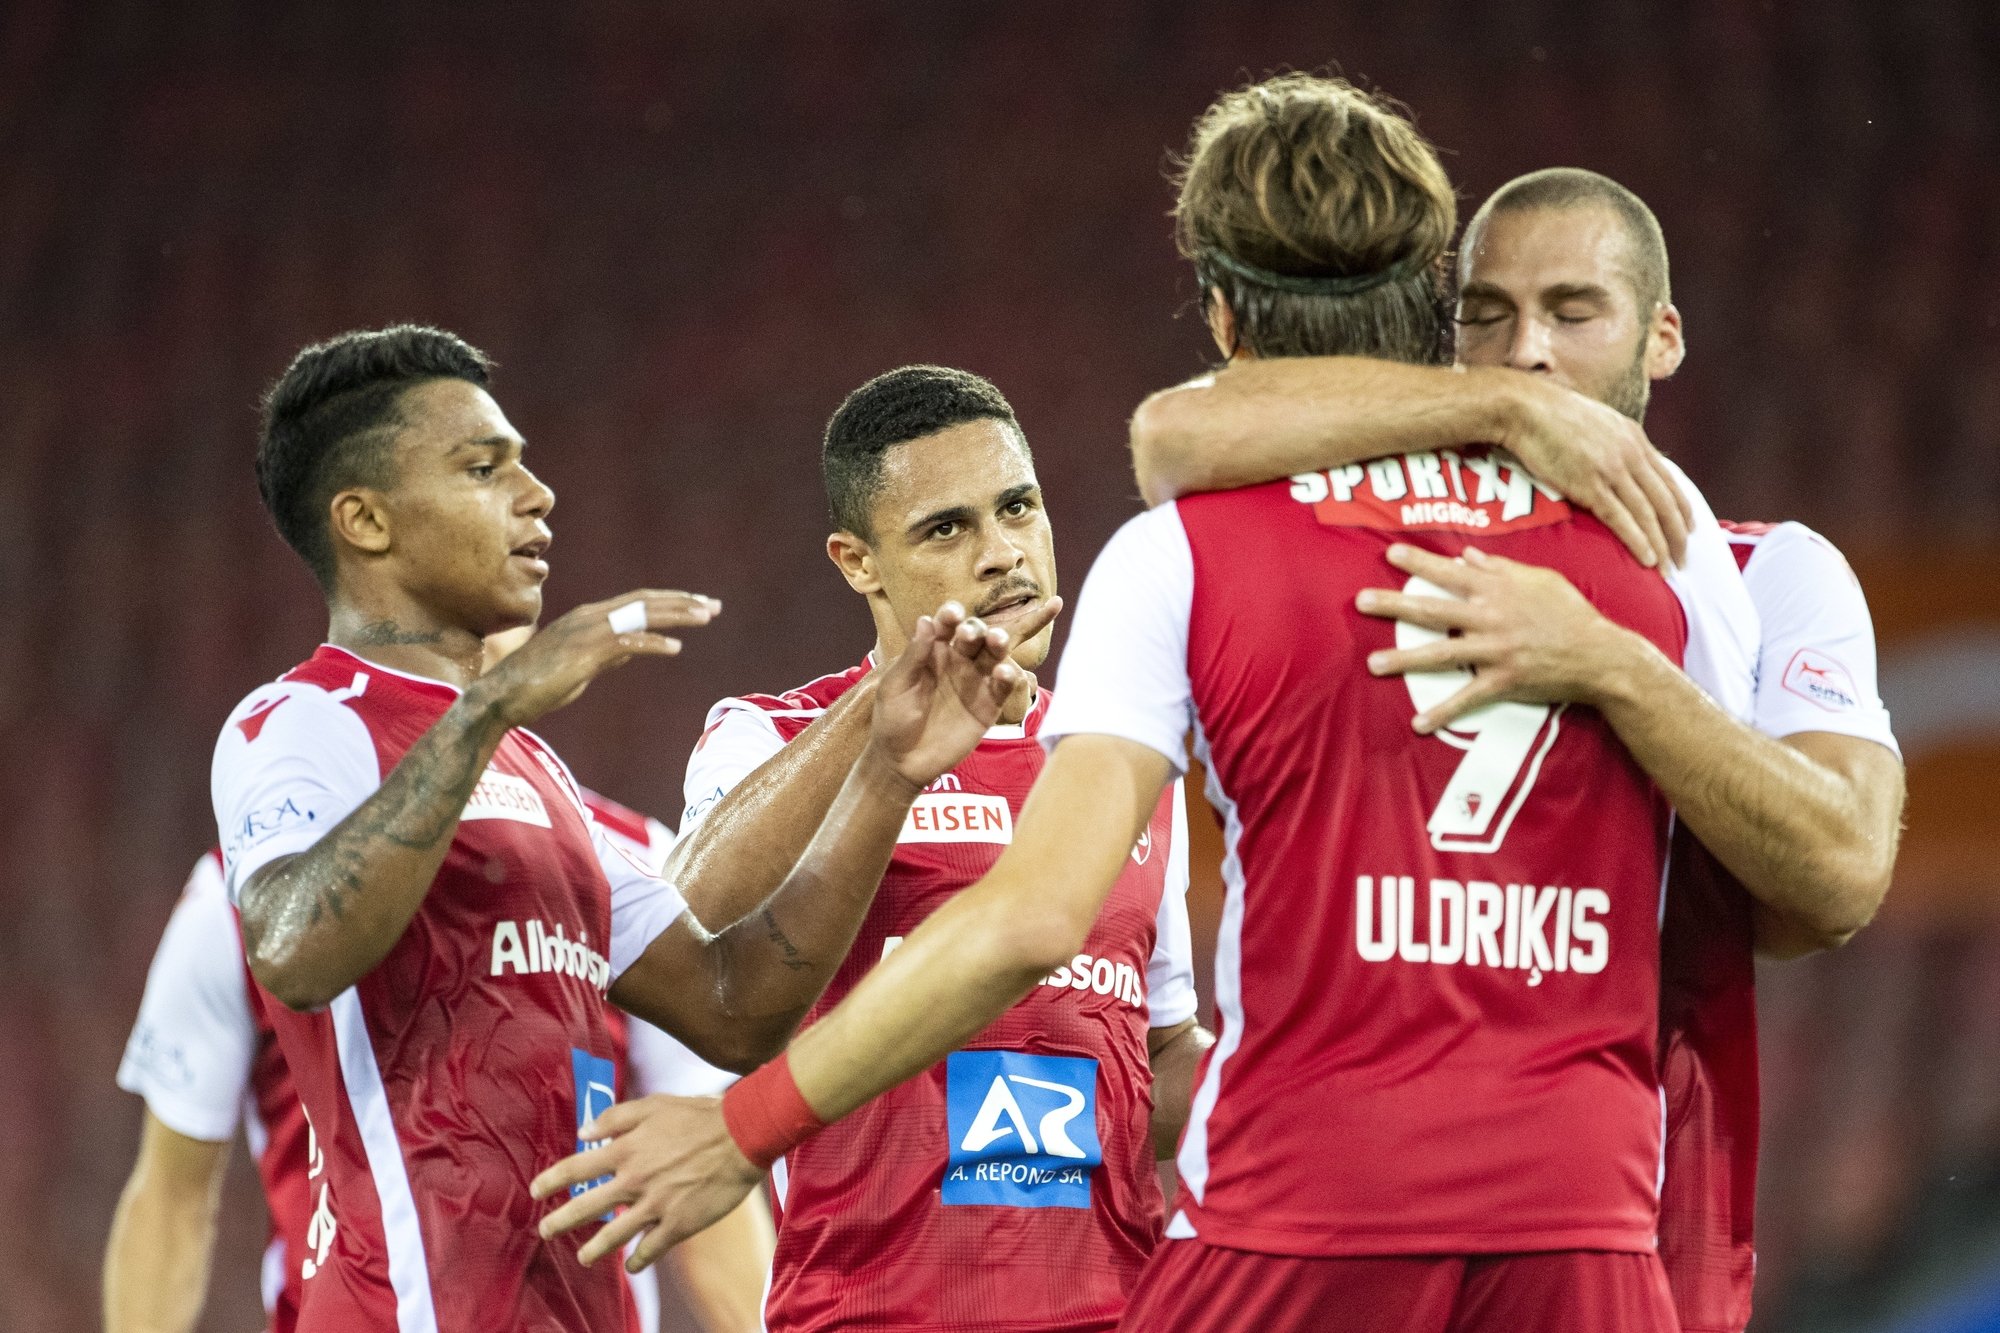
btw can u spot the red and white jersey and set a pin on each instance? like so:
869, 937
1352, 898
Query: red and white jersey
442, 1082
205, 1060
659, 1063
1816, 672
1438, 970
1011, 1186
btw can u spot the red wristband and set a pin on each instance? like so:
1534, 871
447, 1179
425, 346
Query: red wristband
767, 1115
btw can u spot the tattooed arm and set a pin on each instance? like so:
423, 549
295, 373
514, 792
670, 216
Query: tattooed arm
735, 996
317, 921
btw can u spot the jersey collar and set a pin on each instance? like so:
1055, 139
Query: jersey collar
408, 677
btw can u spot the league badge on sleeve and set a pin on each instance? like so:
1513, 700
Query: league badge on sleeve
1819, 679
1023, 1129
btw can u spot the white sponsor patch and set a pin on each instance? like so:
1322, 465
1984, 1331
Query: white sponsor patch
504, 796
951, 816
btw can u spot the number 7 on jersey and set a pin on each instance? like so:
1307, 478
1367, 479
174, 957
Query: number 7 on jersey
1504, 746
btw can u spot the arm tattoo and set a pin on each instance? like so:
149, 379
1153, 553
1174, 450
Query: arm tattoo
415, 810
791, 958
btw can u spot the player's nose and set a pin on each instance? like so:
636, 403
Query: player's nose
538, 497
1529, 349
1000, 554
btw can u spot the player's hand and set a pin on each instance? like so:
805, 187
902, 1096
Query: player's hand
672, 1167
1524, 632
1599, 458
554, 666
939, 696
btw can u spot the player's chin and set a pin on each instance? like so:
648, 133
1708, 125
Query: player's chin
1029, 656
520, 605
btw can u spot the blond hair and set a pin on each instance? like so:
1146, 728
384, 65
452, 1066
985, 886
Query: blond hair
1321, 215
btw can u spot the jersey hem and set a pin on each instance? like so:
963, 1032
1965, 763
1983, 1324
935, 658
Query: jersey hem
1317, 1244
1856, 729
1174, 753
175, 1115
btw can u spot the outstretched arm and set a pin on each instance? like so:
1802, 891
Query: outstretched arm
673, 1161
759, 976
1261, 420
315, 922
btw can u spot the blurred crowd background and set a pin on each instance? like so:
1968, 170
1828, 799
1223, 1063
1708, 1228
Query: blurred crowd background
687, 231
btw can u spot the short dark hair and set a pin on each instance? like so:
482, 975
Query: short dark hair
330, 418
894, 408
1574, 187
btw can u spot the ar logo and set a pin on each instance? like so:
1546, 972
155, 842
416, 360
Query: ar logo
596, 1090
1023, 1129
1002, 1106
1504, 746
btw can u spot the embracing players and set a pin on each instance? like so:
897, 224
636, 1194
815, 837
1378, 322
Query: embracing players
1433, 1104
420, 888
1564, 275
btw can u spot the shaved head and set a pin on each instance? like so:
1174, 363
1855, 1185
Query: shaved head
1562, 188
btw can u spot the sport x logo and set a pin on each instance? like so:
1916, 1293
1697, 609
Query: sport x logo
1023, 1129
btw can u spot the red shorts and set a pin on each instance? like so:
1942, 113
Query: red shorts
1189, 1287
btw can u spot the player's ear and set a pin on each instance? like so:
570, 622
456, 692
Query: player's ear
855, 559
1666, 344
359, 518
1221, 324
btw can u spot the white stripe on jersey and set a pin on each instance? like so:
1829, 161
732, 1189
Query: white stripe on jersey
409, 1266
1193, 1160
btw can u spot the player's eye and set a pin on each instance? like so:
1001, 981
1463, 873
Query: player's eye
484, 470
1479, 319
1015, 508
945, 530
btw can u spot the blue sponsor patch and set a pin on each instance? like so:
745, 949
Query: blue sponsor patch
596, 1091
1023, 1129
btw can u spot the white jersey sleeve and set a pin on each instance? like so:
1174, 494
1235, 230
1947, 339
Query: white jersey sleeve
738, 738
1124, 670
190, 1052
1722, 628
292, 761
643, 905
658, 1063
651, 854
1170, 995
1816, 669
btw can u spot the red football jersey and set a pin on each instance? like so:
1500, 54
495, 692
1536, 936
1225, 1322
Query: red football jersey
1438, 971
442, 1082
1816, 672
1012, 1186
